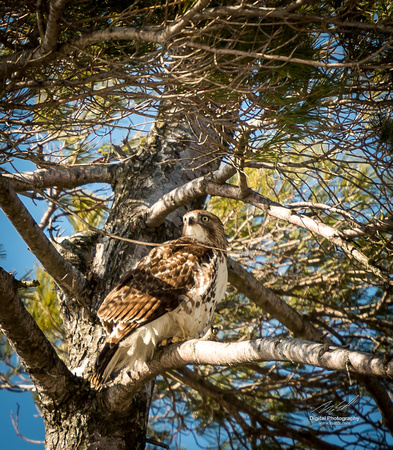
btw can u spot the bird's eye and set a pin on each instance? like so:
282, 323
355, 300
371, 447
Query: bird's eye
205, 219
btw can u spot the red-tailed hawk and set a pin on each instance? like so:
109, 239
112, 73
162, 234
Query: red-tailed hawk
171, 293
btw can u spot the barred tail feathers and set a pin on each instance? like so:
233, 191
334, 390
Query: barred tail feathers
105, 363
133, 351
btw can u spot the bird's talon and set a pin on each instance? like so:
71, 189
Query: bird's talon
166, 342
162, 344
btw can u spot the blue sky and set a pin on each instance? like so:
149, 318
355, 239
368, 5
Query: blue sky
20, 260
31, 426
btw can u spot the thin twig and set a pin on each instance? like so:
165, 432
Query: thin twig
15, 424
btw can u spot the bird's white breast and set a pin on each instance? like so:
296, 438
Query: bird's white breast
195, 313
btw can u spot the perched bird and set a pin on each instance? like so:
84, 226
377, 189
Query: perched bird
171, 293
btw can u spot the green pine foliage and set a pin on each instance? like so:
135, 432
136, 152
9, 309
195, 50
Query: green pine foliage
42, 304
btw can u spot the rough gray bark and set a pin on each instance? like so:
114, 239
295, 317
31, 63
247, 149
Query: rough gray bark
160, 166
48, 372
64, 274
64, 177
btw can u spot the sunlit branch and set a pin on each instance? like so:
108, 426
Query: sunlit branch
183, 195
181, 23
205, 186
62, 176
258, 350
283, 213
46, 52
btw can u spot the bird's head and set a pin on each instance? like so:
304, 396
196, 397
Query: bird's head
205, 227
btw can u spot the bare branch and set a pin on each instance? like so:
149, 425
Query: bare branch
47, 51
163, 35
40, 359
227, 354
234, 405
179, 25
62, 177
300, 327
65, 275
284, 59
185, 194
244, 282
15, 424
49, 42
286, 13
204, 186
281, 212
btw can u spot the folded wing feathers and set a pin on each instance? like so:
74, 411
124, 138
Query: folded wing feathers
157, 285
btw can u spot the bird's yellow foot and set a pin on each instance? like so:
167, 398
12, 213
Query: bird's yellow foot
170, 341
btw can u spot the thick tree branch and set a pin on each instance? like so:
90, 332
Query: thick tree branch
39, 56
48, 372
62, 177
244, 282
281, 212
49, 42
228, 354
64, 274
185, 194
205, 186
148, 34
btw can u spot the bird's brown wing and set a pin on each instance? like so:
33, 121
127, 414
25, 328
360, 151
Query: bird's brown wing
157, 285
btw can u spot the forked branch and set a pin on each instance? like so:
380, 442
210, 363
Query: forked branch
207, 186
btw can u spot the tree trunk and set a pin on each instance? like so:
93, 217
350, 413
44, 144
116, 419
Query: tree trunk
79, 425
159, 166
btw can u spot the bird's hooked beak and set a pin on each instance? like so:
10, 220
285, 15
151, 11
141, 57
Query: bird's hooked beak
191, 220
